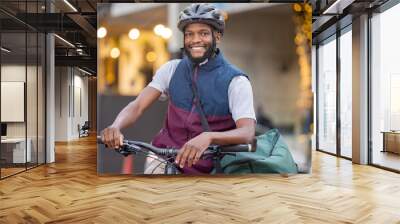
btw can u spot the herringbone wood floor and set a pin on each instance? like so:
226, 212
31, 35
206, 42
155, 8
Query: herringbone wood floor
70, 191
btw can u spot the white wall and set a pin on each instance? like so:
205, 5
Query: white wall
61, 103
80, 100
34, 124
14, 73
70, 83
17, 73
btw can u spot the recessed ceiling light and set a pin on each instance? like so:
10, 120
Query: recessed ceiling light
64, 40
70, 5
5, 49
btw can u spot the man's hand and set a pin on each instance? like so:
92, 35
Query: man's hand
112, 137
193, 149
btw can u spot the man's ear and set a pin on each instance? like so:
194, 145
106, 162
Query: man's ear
218, 37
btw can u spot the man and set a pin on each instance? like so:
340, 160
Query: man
222, 90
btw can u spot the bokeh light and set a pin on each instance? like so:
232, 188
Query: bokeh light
134, 34
114, 53
101, 32
151, 56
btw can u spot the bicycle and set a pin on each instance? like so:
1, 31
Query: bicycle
216, 152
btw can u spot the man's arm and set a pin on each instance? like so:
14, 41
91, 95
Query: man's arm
111, 135
193, 149
244, 133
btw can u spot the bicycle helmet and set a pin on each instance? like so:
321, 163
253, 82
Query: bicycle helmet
203, 13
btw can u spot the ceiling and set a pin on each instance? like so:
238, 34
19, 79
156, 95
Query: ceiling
79, 27
76, 26
332, 15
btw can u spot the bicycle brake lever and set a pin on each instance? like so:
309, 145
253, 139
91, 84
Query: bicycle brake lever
124, 150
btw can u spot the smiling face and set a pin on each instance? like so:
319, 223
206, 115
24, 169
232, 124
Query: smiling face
198, 39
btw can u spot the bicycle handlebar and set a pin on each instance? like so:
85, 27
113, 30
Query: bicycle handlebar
135, 145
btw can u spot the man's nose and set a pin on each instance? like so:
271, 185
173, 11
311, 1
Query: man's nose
196, 38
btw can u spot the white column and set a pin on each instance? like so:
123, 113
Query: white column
314, 92
176, 41
360, 90
50, 94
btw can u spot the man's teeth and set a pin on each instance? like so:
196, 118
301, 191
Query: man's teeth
197, 48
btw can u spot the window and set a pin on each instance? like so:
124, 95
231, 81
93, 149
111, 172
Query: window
327, 96
385, 88
346, 93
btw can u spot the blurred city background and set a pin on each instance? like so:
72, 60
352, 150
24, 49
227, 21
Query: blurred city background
270, 42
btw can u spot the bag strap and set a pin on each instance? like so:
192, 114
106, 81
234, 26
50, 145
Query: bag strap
275, 140
204, 122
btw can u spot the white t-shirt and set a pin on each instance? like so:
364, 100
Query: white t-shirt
240, 93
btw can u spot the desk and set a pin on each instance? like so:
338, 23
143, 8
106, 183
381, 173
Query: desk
15, 148
391, 141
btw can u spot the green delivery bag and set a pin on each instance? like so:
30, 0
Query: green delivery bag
272, 156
